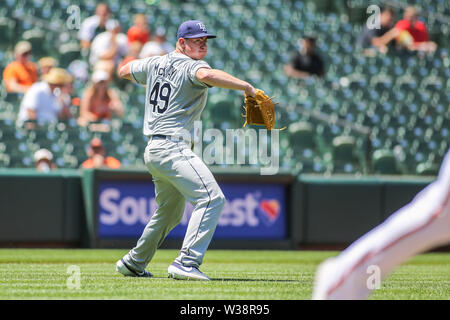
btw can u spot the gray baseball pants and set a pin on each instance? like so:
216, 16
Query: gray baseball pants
179, 175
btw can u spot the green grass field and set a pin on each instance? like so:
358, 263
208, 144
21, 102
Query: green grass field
250, 275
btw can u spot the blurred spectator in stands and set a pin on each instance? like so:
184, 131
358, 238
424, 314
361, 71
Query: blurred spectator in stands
94, 25
20, 74
305, 62
160, 37
152, 48
97, 157
133, 54
139, 31
45, 64
66, 99
110, 47
409, 33
80, 70
99, 101
103, 65
43, 160
43, 101
368, 40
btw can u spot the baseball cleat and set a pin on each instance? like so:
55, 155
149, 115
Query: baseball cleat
127, 271
179, 272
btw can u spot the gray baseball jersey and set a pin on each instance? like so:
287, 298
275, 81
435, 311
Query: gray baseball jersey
174, 96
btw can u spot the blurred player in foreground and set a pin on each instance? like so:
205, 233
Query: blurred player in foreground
421, 225
176, 88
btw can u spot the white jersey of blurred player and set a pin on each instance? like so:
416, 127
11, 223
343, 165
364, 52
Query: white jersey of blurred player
419, 226
176, 92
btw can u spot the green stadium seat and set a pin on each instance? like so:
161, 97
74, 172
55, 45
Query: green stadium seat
14, 99
7, 31
223, 112
9, 133
37, 39
328, 132
21, 157
301, 137
68, 52
345, 159
384, 162
427, 169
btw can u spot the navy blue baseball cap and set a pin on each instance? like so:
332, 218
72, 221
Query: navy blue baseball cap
193, 29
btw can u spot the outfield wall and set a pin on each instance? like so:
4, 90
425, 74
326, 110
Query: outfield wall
40, 208
109, 208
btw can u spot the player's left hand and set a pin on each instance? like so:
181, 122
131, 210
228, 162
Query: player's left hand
250, 91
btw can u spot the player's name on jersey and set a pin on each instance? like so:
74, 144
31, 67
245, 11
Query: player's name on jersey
168, 72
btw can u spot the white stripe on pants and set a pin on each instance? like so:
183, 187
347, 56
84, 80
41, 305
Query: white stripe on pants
179, 175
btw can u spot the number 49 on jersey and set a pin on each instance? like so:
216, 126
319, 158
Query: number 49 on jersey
160, 93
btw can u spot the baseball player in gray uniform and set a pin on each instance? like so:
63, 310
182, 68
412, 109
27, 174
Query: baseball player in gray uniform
176, 92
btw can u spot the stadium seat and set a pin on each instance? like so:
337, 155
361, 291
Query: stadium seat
345, 159
37, 39
7, 31
303, 149
384, 162
301, 137
427, 169
222, 114
68, 52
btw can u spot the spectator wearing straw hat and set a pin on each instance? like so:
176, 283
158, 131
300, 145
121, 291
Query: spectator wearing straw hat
41, 102
46, 64
20, 74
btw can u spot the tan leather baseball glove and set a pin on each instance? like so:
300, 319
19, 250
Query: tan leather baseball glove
259, 110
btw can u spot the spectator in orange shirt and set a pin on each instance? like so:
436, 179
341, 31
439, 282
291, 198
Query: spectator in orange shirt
97, 157
140, 30
99, 101
20, 74
410, 33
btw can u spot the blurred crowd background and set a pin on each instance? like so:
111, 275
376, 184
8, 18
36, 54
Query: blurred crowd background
360, 93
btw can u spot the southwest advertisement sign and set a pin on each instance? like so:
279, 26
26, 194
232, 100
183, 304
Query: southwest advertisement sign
252, 210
